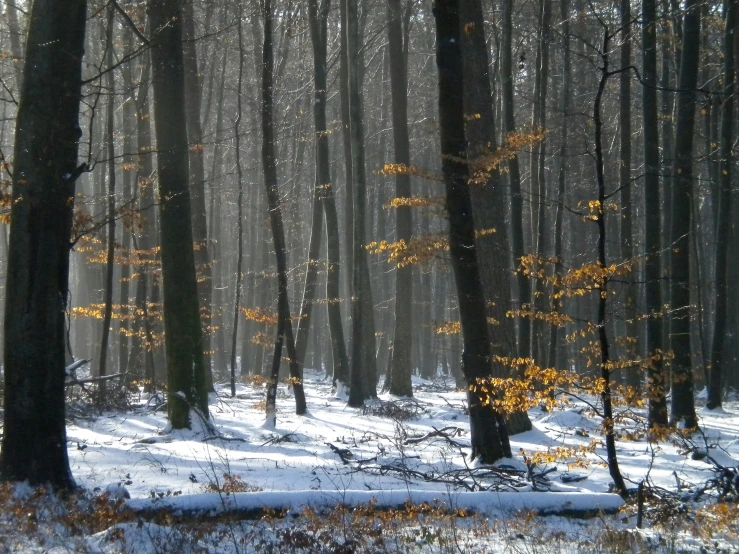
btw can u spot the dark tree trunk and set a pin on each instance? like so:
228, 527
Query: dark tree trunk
183, 333
400, 371
653, 206
488, 199
129, 133
142, 358
514, 179
723, 240
34, 444
667, 105
347, 143
110, 253
601, 285
217, 180
554, 340
319, 37
538, 175
312, 267
363, 371
193, 101
489, 436
683, 404
284, 326
239, 212
627, 212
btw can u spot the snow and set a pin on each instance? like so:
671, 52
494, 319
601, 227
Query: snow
337, 455
298, 500
296, 453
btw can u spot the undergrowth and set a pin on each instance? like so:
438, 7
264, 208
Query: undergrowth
35, 520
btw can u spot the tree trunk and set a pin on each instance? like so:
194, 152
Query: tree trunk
319, 37
34, 444
601, 284
632, 376
142, 348
110, 253
193, 101
488, 199
311, 270
653, 206
183, 333
538, 175
400, 371
514, 177
489, 437
239, 211
347, 142
667, 106
723, 240
363, 370
554, 346
683, 405
215, 236
284, 326
129, 132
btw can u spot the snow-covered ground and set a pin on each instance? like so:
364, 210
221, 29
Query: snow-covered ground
337, 455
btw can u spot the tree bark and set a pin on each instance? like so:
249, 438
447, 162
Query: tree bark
319, 36
723, 240
186, 372
239, 211
632, 376
34, 444
284, 326
347, 143
682, 409
363, 363
514, 179
538, 174
193, 101
601, 284
400, 372
110, 253
554, 346
653, 206
142, 359
489, 436
488, 199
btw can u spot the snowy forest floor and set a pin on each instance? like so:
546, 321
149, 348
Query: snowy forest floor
394, 477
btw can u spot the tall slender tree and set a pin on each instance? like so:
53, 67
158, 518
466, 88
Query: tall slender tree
488, 431
723, 241
318, 16
239, 211
269, 162
514, 178
193, 102
488, 198
363, 369
186, 379
34, 445
625, 183
110, 253
400, 371
652, 196
682, 409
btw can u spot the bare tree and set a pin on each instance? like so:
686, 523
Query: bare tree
488, 431
34, 445
186, 379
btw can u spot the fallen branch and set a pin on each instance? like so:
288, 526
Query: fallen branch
455, 432
92, 380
